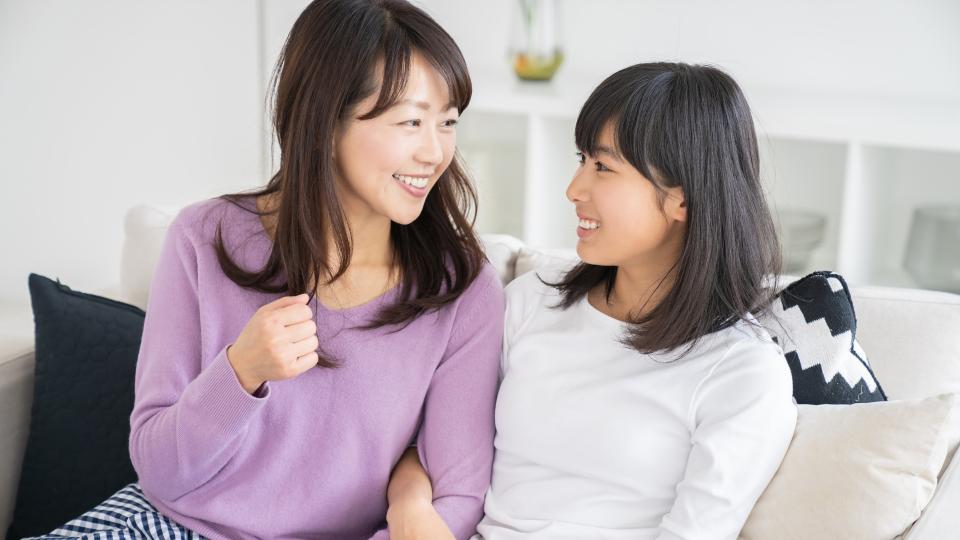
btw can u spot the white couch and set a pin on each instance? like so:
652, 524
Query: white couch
911, 336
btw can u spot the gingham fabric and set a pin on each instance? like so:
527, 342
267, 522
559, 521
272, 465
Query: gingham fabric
126, 515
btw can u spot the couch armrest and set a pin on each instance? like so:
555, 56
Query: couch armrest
16, 397
940, 518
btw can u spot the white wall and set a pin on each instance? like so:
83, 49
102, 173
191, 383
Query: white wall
107, 103
874, 47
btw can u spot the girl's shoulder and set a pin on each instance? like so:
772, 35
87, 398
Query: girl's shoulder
532, 293
536, 286
745, 354
745, 337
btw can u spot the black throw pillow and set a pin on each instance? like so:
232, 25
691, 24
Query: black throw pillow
814, 322
86, 356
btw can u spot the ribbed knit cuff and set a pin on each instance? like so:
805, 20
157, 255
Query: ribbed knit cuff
217, 399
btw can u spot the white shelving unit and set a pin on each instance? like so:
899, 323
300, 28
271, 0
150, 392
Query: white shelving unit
863, 163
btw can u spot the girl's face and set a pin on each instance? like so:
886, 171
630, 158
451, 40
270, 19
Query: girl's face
387, 165
622, 222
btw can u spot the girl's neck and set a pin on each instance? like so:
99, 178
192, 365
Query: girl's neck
640, 286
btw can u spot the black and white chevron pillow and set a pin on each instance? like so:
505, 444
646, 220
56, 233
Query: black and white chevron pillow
814, 323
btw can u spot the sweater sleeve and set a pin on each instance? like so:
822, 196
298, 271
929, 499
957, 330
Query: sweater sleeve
186, 423
743, 418
455, 442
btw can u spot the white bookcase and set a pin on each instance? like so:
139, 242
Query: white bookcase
863, 163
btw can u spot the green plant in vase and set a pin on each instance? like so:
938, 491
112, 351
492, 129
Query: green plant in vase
537, 54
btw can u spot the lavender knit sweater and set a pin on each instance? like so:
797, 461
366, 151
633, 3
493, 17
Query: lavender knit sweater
309, 457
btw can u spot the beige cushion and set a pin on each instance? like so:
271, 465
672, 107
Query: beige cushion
501, 251
146, 228
530, 258
912, 339
857, 471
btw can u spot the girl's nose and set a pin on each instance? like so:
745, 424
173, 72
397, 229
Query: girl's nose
576, 191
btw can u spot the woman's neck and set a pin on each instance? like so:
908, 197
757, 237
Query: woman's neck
371, 270
369, 238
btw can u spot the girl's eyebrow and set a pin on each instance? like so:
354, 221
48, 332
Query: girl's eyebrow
608, 151
423, 104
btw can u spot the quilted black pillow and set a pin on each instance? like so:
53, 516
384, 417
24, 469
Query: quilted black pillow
814, 322
86, 356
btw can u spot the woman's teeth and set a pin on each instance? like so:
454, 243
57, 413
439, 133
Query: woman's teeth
589, 224
412, 180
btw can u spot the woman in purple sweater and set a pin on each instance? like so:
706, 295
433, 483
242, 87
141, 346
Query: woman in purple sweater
299, 338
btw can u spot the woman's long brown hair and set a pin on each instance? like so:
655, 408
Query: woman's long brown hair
328, 65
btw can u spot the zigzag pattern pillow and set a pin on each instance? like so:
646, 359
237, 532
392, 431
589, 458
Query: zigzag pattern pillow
814, 323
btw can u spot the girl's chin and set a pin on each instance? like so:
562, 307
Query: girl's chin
591, 254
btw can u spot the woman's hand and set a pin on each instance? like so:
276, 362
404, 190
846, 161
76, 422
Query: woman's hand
411, 515
279, 342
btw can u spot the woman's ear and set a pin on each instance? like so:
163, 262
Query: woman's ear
675, 207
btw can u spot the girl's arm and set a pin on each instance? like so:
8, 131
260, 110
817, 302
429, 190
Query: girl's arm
742, 418
411, 514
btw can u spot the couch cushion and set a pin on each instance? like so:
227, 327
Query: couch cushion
913, 338
145, 228
893, 453
86, 354
531, 258
813, 321
502, 251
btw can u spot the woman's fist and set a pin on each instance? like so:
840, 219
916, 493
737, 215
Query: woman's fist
279, 342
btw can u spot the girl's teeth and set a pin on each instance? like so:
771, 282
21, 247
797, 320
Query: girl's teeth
410, 180
589, 225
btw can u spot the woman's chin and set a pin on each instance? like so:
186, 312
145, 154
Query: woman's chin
406, 218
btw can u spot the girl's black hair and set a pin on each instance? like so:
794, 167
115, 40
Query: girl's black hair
688, 126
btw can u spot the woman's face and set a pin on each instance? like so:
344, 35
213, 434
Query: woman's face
387, 165
621, 221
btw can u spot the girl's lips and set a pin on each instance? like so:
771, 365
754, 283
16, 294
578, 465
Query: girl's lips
414, 191
584, 233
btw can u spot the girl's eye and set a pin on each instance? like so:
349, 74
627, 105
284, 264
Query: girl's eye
580, 158
601, 167
450, 123
412, 123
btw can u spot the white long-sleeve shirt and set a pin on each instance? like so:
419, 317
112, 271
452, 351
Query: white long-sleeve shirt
598, 441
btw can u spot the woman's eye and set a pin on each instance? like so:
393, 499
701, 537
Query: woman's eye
450, 123
601, 167
580, 158
412, 123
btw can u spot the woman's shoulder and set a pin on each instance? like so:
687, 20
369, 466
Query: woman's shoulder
486, 284
200, 220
